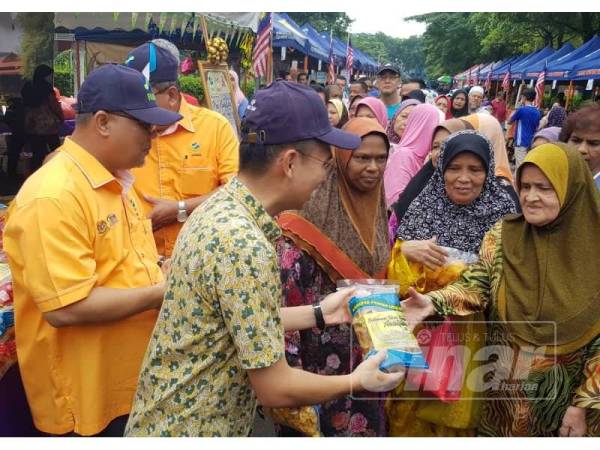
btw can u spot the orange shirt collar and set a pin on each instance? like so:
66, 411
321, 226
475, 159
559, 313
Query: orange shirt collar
186, 120
93, 170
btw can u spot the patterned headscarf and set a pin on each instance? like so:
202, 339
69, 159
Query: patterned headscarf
457, 226
557, 116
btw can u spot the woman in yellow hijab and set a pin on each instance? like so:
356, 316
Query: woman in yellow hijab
539, 283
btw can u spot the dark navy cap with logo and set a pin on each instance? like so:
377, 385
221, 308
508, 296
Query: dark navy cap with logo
389, 68
116, 88
161, 64
286, 112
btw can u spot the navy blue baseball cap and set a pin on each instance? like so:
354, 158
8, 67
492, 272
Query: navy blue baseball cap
162, 65
286, 112
116, 88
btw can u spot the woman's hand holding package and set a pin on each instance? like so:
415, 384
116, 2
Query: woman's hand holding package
417, 307
425, 252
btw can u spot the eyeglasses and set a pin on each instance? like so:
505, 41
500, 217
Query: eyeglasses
148, 128
363, 160
327, 163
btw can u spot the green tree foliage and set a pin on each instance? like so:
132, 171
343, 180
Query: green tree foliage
325, 21
406, 53
37, 43
456, 41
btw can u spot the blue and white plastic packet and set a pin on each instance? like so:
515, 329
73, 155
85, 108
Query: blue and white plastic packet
379, 324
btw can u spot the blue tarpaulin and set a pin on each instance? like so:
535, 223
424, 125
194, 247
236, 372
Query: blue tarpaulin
533, 71
559, 70
518, 70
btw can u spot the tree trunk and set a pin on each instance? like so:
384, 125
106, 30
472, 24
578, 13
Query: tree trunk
587, 26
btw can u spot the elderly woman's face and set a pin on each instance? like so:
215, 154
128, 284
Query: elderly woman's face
537, 196
400, 123
464, 178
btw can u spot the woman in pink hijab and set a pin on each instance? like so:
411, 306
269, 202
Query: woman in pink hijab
411, 152
373, 108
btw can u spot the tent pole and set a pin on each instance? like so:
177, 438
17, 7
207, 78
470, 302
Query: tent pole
569, 95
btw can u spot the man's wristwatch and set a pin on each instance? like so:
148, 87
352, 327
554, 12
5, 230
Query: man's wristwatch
182, 214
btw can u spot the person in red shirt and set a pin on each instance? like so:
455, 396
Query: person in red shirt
499, 108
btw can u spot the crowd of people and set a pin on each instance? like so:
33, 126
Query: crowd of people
168, 277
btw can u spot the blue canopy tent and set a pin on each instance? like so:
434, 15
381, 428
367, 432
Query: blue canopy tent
339, 52
287, 34
559, 70
518, 70
588, 69
498, 73
533, 71
317, 40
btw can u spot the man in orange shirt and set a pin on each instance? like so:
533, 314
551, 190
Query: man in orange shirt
86, 281
189, 160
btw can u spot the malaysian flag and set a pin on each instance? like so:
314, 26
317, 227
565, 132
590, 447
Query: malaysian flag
470, 82
506, 81
488, 81
539, 87
262, 47
349, 56
477, 77
331, 71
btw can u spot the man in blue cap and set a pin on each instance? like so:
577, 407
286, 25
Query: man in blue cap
85, 270
219, 340
188, 161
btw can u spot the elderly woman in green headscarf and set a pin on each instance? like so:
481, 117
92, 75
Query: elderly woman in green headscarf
538, 281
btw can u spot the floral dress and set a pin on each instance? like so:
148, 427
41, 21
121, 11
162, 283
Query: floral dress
334, 351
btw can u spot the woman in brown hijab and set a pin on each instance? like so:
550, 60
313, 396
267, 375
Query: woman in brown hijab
538, 281
340, 233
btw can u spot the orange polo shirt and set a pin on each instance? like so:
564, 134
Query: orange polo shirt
73, 227
198, 157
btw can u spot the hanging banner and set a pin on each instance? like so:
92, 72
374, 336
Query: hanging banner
530, 83
514, 83
320, 65
554, 84
283, 53
590, 85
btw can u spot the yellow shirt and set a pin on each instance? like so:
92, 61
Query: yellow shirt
71, 228
201, 155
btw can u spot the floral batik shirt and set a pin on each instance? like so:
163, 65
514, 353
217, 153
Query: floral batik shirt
219, 318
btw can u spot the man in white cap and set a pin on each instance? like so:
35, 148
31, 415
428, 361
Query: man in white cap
476, 94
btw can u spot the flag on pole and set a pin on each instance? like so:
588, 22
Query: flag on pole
539, 87
262, 47
349, 56
506, 81
331, 70
470, 80
488, 81
476, 83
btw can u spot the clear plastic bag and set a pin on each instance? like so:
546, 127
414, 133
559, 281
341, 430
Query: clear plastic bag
379, 323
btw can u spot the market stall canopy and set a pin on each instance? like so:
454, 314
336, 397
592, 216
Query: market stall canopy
533, 71
559, 69
136, 28
286, 33
10, 64
518, 70
588, 69
499, 73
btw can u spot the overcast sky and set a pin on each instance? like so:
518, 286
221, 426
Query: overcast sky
393, 24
